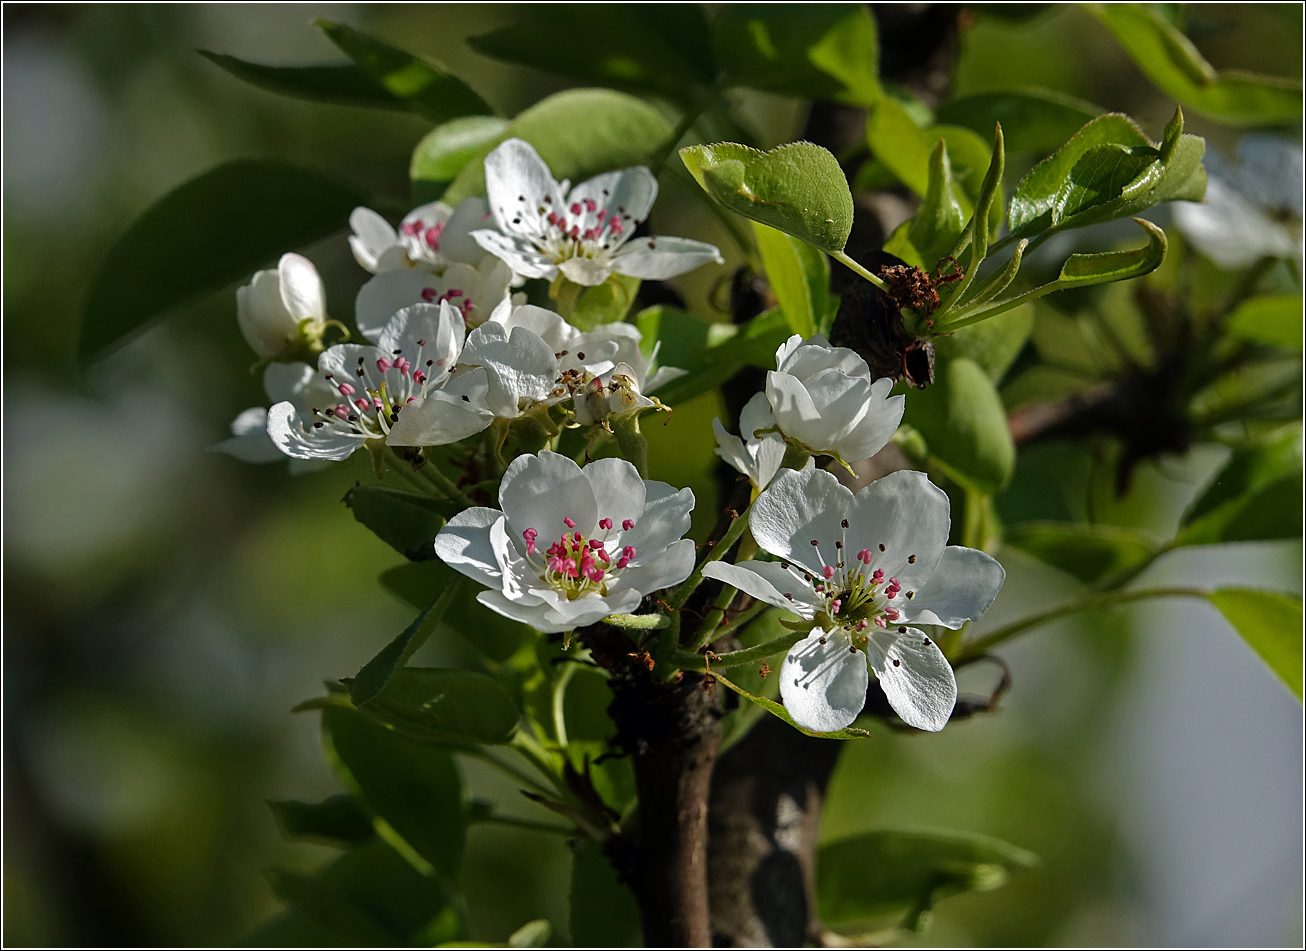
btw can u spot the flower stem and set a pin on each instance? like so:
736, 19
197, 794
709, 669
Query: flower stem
731, 536
442, 482
706, 631
856, 268
1089, 602
690, 660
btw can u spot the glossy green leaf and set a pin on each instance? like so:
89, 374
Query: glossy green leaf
205, 234
337, 820
964, 425
993, 344
1271, 624
864, 878
606, 303
1034, 119
377, 672
579, 133
445, 706
708, 359
797, 188
604, 912
1088, 553
411, 790
905, 149
800, 277
1256, 496
818, 51
446, 150
427, 89
419, 583
624, 46
776, 709
1272, 319
1172, 62
405, 521
343, 83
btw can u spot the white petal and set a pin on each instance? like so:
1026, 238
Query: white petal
768, 582
264, 321
520, 366
372, 235
456, 242
731, 449
823, 685
290, 381
665, 519
464, 544
618, 490
961, 589
297, 438
589, 272
541, 491
916, 677
873, 432
815, 354
423, 333
908, 515
250, 441
656, 259
518, 253
302, 291
755, 415
438, 420
545, 618
516, 178
386, 294
547, 325
787, 349
672, 566
629, 192
796, 508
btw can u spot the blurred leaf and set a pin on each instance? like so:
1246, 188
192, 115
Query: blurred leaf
336, 821
861, 879
938, 222
446, 150
1272, 319
1169, 59
344, 83
202, 236
579, 133
606, 303
800, 277
378, 671
368, 897
445, 706
1034, 119
1255, 497
411, 790
776, 709
428, 90
533, 934
708, 367
797, 188
962, 420
625, 45
604, 913
1271, 623
1086, 552
405, 521
993, 344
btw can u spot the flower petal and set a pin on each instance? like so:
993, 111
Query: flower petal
519, 366
768, 582
961, 589
541, 491
516, 183
664, 520
386, 294
302, 291
908, 515
619, 492
264, 321
464, 545
296, 437
518, 253
588, 272
439, 419
250, 441
823, 685
915, 676
877, 426
656, 259
795, 509
673, 565
629, 192
372, 236
290, 381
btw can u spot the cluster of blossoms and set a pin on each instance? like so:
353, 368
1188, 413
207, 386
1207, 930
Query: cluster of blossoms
449, 350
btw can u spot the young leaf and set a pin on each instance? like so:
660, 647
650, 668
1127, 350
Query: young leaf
800, 276
797, 188
1272, 319
1255, 497
993, 344
1169, 59
376, 673
1088, 553
405, 521
579, 133
343, 83
428, 90
1034, 119
205, 234
964, 425
939, 220
411, 790
445, 706
446, 150
1271, 624
863, 878
905, 149
336, 821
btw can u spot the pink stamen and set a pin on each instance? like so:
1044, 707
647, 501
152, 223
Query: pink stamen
346, 390
383, 364
605, 523
376, 403
429, 294
880, 622
590, 204
342, 410
419, 377
628, 524
603, 213
569, 522
575, 208
363, 404
864, 556
433, 236
835, 606
412, 227
878, 575
827, 572
595, 543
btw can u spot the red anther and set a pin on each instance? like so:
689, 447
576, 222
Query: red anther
605, 523
590, 205
383, 364
569, 522
827, 572
412, 227
575, 208
628, 524
429, 294
346, 389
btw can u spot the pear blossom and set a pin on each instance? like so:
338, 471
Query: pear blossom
369, 387
823, 399
473, 293
1251, 210
546, 227
863, 568
430, 237
297, 383
757, 457
569, 546
283, 308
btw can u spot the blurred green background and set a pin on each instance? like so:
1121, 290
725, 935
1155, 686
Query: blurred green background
164, 607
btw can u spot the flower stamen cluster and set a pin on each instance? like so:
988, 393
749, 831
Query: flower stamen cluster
576, 565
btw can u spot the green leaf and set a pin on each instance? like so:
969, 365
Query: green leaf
607, 303
797, 188
579, 133
905, 149
1034, 119
1272, 319
776, 709
368, 897
1173, 64
993, 344
1088, 553
1256, 496
533, 934
336, 821
446, 150
343, 83
962, 421
405, 521
445, 706
817, 51
709, 363
863, 878
800, 276
939, 221
1271, 624
418, 583
377, 672
427, 89
205, 234
625, 45
604, 913
411, 790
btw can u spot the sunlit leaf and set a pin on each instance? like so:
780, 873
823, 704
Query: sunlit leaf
964, 425
800, 277
1271, 624
446, 150
1272, 319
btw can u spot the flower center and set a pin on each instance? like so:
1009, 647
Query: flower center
371, 404
579, 566
583, 229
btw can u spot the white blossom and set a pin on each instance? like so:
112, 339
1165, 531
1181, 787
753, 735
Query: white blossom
297, 383
571, 545
473, 293
547, 227
863, 567
824, 399
757, 457
282, 308
430, 237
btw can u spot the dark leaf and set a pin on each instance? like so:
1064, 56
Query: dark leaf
405, 521
343, 83
445, 706
336, 821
